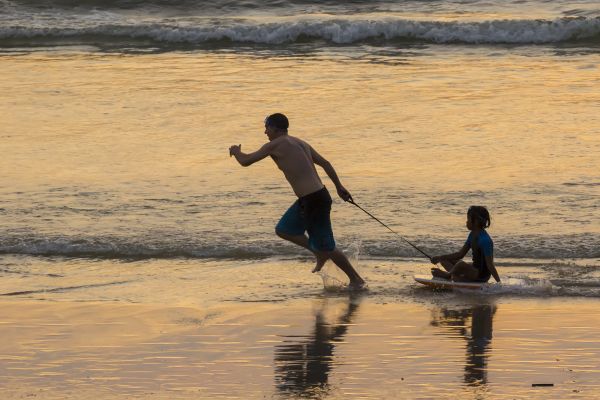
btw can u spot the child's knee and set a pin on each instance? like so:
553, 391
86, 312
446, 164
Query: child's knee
461, 266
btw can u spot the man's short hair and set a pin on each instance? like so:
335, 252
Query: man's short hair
278, 121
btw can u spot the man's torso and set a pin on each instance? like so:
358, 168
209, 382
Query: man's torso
294, 159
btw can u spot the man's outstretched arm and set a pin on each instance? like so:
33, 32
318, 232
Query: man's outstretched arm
250, 158
330, 171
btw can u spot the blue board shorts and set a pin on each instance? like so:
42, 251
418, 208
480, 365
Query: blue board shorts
310, 214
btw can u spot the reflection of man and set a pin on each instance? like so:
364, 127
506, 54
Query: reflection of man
478, 340
302, 367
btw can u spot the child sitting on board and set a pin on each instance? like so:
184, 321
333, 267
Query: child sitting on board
482, 246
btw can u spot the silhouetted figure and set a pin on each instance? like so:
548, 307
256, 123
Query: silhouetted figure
302, 366
478, 338
307, 222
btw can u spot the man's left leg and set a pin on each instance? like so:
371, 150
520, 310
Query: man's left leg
302, 240
292, 226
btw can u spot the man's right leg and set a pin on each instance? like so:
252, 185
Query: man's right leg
336, 256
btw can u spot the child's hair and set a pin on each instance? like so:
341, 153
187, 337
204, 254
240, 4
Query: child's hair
480, 214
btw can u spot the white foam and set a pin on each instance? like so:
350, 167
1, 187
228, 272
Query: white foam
522, 286
338, 31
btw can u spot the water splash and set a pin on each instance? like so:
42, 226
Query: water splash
334, 280
332, 283
522, 286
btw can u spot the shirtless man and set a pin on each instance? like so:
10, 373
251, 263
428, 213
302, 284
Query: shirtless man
310, 213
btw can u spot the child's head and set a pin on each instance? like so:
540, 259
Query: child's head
478, 217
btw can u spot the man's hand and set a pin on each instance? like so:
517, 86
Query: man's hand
344, 194
435, 260
235, 149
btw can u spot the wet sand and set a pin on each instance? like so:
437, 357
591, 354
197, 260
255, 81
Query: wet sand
330, 346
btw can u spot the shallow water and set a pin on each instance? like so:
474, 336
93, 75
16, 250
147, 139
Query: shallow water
137, 260
327, 347
197, 283
126, 155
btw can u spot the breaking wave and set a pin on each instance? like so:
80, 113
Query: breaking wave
224, 32
557, 247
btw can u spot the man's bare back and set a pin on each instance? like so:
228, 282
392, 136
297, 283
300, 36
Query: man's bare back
294, 158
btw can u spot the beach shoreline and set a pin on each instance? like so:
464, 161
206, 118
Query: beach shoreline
334, 345
139, 261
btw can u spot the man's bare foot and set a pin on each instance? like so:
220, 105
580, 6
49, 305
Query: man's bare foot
358, 285
321, 260
438, 273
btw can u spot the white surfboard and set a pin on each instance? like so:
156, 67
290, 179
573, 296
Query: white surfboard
441, 283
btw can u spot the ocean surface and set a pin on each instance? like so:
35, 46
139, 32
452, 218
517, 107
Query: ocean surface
116, 119
218, 24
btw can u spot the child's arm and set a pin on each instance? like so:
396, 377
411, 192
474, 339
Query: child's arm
453, 256
489, 261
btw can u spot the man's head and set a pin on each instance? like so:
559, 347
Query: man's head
276, 125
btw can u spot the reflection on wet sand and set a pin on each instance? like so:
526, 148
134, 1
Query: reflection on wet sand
303, 363
478, 336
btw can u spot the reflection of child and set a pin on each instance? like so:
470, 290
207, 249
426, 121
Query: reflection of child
478, 218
